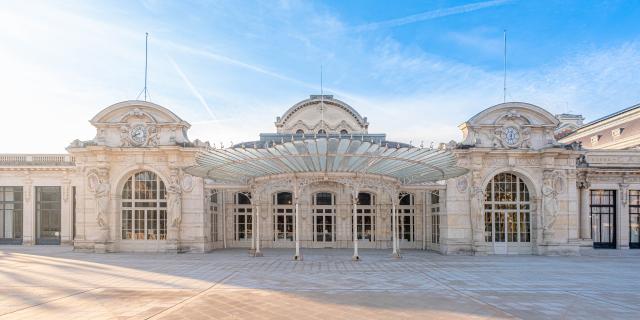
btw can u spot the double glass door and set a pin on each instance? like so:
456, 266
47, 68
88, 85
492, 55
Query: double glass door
48, 209
324, 225
634, 219
603, 218
10, 215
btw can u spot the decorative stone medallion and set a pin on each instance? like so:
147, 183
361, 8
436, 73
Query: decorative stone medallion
462, 184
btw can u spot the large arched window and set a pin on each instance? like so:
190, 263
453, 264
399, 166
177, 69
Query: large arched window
507, 210
144, 207
324, 217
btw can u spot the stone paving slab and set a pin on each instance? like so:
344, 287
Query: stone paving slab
51, 282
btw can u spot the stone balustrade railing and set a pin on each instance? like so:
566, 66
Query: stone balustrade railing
36, 160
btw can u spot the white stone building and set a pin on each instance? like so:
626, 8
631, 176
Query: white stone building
323, 181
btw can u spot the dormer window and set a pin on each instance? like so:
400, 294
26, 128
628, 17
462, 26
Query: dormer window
343, 131
299, 131
616, 132
595, 139
321, 131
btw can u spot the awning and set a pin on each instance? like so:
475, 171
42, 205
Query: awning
408, 165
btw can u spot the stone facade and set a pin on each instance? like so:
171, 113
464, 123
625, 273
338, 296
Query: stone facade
127, 190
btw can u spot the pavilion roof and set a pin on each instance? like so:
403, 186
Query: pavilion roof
407, 164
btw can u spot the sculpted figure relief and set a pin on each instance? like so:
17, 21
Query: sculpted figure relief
550, 191
100, 188
174, 199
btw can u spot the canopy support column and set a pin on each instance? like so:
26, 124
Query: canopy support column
394, 225
258, 253
296, 196
355, 257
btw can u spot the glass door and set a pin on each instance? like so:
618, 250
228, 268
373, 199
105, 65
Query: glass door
634, 219
603, 218
10, 215
48, 210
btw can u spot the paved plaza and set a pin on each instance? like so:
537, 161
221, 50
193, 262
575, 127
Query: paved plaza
54, 282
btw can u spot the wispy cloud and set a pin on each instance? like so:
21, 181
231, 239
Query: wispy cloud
428, 15
192, 88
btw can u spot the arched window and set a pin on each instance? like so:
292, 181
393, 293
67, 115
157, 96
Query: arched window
144, 207
283, 227
343, 131
242, 216
366, 216
507, 210
324, 217
299, 131
321, 131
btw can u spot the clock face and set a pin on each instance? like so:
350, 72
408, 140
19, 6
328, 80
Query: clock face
138, 135
511, 135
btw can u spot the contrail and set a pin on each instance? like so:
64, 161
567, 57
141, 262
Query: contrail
430, 15
244, 65
193, 89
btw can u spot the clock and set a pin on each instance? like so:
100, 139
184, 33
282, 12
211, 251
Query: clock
138, 135
511, 135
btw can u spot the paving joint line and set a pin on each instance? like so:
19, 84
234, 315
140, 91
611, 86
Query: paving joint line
185, 301
48, 301
490, 305
577, 293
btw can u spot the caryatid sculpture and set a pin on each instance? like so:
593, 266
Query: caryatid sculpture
101, 189
174, 199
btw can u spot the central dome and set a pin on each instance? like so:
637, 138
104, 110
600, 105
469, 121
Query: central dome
322, 114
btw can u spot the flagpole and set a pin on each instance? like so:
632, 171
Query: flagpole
504, 84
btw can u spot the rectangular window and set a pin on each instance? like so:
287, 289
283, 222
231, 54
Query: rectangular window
11, 215
283, 224
435, 228
435, 216
127, 224
499, 227
243, 223
488, 226
213, 211
512, 227
324, 224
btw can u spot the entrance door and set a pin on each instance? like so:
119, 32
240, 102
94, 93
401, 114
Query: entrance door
324, 219
48, 210
10, 215
603, 218
324, 228
499, 244
634, 219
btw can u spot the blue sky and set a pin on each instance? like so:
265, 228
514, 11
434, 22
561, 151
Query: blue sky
416, 69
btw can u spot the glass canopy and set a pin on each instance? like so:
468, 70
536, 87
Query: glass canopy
406, 164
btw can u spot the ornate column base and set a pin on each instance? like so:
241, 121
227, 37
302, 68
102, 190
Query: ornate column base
297, 257
355, 258
396, 255
258, 254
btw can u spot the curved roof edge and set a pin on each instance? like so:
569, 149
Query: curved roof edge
514, 104
326, 99
134, 103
